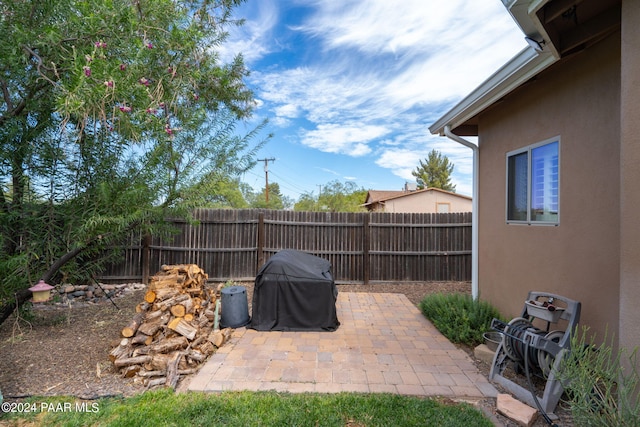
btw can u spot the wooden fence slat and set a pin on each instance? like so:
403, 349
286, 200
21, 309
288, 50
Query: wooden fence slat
362, 247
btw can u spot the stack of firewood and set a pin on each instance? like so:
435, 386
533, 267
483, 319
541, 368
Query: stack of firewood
174, 329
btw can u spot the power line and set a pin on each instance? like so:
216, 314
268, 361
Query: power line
289, 185
282, 182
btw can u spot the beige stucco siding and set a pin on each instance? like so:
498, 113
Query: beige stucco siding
630, 178
428, 202
579, 101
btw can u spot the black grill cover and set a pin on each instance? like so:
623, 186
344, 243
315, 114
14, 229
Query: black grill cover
294, 291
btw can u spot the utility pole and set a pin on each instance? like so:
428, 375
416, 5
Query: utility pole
266, 176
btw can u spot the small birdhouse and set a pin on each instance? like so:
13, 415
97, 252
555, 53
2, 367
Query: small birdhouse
41, 291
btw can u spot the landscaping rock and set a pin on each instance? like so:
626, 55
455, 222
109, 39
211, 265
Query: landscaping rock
482, 352
511, 408
92, 293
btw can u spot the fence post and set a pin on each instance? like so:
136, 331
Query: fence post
260, 245
365, 249
146, 257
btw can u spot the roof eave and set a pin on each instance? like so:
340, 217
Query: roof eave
519, 70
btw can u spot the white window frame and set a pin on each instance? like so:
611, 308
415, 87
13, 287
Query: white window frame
528, 149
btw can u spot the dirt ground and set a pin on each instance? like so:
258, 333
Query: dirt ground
63, 350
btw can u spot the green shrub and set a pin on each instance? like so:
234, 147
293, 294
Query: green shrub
459, 317
601, 386
14, 275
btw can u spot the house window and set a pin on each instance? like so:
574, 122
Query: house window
443, 207
532, 183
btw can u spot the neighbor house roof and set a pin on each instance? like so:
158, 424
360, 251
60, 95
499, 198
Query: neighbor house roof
375, 196
550, 35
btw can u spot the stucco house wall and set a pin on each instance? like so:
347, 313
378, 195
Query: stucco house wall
630, 177
428, 201
579, 101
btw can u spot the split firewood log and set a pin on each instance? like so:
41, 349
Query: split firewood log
178, 310
141, 338
131, 329
121, 363
122, 351
130, 371
182, 308
190, 269
163, 294
143, 306
172, 370
141, 351
216, 337
194, 292
202, 322
151, 327
158, 362
196, 342
153, 382
183, 327
210, 314
144, 373
170, 344
196, 355
164, 305
150, 297
149, 374
166, 281
152, 315
207, 348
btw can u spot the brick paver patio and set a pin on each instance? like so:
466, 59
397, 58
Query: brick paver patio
384, 344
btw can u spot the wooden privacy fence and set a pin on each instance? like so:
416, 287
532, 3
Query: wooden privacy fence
362, 247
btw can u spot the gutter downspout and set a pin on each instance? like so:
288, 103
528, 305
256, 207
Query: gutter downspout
474, 208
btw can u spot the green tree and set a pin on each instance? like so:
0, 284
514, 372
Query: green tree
335, 197
435, 172
113, 115
227, 193
277, 200
306, 203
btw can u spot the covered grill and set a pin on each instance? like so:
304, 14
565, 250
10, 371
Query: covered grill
294, 291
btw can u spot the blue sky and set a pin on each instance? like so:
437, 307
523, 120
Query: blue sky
350, 87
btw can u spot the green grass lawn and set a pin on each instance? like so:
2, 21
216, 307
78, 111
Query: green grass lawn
166, 408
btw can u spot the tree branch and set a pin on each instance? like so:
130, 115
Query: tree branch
17, 110
40, 64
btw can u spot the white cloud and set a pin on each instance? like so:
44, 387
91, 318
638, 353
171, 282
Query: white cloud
287, 111
250, 38
380, 74
379, 25
402, 159
442, 55
350, 139
331, 171
440, 50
